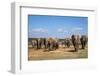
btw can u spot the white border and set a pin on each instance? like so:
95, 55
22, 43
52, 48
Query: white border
19, 38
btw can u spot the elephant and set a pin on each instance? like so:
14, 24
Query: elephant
34, 43
75, 42
55, 43
52, 44
83, 40
67, 42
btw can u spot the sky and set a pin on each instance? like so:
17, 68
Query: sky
45, 26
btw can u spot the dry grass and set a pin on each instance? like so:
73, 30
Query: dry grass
61, 53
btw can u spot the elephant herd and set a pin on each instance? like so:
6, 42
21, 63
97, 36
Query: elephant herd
52, 44
76, 41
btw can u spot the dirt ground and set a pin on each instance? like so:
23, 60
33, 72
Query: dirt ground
61, 53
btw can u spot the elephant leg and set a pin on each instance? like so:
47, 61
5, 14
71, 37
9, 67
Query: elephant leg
76, 47
82, 45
